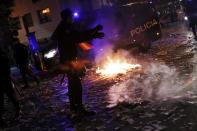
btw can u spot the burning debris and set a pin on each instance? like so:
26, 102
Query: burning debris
111, 64
116, 67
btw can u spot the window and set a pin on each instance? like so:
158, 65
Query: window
27, 19
44, 15
16, 22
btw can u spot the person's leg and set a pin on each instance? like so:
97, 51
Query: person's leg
1, 102
1, 120
78, 95
23, 73
195, 34
11, 95
194, 30
31, 74
71, 91
78, 91
193, 25
75, 95
2, 123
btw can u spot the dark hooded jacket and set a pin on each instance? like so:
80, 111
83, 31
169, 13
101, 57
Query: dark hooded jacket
68, 38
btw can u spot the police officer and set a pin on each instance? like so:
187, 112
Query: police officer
68, 37
191, 11
6, 86
21, 55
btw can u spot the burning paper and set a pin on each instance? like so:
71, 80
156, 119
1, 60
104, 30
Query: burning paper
116, 67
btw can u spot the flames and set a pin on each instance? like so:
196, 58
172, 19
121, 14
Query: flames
115, 67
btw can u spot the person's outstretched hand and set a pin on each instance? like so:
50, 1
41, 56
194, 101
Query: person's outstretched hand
99, 35
98, 27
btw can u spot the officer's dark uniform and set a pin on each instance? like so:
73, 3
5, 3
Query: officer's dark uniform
68, 38
191, 11
6, 84
22, 59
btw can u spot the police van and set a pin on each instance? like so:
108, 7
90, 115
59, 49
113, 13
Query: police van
130, 24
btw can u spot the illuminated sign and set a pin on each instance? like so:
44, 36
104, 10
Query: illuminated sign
143, 28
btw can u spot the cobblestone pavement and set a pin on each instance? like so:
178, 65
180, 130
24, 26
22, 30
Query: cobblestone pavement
162, 97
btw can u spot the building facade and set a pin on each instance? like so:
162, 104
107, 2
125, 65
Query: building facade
42, 16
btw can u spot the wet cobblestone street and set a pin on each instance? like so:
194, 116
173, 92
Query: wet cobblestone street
161, 98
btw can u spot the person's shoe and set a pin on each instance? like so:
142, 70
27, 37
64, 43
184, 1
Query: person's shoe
85, 112
73, 115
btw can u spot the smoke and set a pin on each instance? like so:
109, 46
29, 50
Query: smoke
113, 28
107, 53
158, 82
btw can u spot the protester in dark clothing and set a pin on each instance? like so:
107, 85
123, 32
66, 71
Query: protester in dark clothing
21, 55
6, 86
191, 11
68, 38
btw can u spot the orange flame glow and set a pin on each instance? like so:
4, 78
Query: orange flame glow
115, 67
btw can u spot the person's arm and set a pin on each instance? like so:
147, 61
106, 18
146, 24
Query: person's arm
88, 34
77, 36
15, 55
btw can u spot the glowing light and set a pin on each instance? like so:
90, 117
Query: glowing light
76, 14
45, 11
33, 42
116, 67
85, 46
186, 18
50, 54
